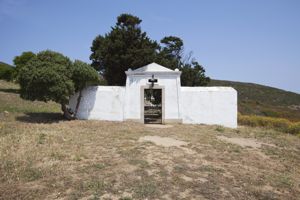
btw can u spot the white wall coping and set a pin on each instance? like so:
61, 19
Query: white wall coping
207, 89
153, 68
107, 88
153, 72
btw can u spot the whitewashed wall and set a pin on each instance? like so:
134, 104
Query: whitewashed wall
100, 102
209, 105
190, 105
171, 88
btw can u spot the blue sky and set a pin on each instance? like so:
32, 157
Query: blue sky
250, 41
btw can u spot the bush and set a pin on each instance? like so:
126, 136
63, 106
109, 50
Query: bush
51, 76
279, 124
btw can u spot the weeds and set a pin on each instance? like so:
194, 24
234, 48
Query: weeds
31, 173
140, 163
98, 165
57, 156
96, 185
146, 189
220, 129
281, 180
279, 124
41, 138
77, 158
125, 198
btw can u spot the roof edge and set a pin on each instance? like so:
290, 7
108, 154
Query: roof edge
153, 72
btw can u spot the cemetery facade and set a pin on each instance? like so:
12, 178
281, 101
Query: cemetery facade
153, 94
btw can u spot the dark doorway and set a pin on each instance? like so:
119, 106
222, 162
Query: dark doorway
153, 106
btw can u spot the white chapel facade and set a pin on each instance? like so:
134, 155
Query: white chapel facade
153, 94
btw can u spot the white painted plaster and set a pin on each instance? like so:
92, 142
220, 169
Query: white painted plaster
209, 105
196, 105
137, 79
100, 102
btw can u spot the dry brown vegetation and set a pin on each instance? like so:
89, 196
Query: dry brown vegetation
279, 124
45, 157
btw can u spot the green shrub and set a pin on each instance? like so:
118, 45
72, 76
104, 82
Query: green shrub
279, 124
220, 129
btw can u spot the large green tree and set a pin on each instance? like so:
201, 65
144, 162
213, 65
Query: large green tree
193, 74
83, 75
171, 54
125, 46
20, 61
50, 76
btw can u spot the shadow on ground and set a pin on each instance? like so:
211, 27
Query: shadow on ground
15, 91
42, 117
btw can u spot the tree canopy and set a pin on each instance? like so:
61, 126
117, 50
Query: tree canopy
51, 76
193, 74
20, 61
127, 46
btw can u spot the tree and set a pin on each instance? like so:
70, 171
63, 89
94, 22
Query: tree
50, 76
193, 74
20, 61
170, 52
83, 76
171, 55
125, 46
172, 47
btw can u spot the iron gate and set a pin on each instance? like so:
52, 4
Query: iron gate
153, 106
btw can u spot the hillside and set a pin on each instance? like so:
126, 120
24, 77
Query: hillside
3, 63
6, 71
263, 100
11, 102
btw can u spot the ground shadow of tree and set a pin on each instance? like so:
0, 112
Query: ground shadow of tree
15, 91
41, 117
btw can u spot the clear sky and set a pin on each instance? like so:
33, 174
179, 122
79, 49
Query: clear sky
241, 40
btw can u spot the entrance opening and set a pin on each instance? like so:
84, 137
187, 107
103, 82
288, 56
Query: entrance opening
152, 106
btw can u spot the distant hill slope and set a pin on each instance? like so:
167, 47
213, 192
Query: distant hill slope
6, 71
5, 65
263, 100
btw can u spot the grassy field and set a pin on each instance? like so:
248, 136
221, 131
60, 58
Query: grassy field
45, 157
262, 100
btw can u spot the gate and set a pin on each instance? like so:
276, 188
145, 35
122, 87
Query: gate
153, 106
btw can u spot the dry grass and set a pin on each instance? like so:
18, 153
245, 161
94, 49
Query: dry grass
10, 101
279, 124
92, 159
45, 157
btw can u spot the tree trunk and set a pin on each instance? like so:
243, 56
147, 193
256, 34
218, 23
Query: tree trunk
66, 112
78, 103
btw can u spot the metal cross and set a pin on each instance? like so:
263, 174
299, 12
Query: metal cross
152, 81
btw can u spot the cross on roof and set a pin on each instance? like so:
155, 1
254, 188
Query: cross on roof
152, 80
